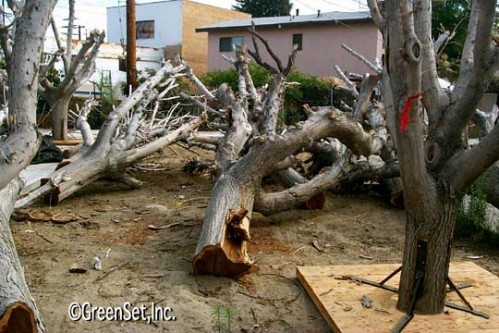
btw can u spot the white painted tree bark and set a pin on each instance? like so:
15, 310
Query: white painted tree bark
18, 312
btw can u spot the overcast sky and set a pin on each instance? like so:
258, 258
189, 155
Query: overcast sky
92, 13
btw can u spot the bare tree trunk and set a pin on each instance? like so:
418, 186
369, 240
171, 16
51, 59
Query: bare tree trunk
435, 170
59, 109
427, 256
77, 69
222, 245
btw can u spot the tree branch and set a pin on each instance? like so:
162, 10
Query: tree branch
234, 140
201, 105
130, 136
82, 123
467, 166
433, 95
272, 104
109, 127
364, 99
376, 14
188, 72
136, 154
64, 57
69, 37
359, 56
270, 203
472, 84
88, 67
245, 80
49, 66
351, 86
254, 33
441, 39
77, 72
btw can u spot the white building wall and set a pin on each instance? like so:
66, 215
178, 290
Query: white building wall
167, 17
108, 60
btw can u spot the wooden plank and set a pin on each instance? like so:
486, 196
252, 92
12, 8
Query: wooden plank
338, 299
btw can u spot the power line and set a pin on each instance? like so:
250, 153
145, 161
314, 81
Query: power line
329, 2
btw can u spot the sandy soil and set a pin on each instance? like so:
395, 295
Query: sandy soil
141, 265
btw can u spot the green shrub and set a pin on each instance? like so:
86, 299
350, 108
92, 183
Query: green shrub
108, 100
214, 79
472, 215
311, 90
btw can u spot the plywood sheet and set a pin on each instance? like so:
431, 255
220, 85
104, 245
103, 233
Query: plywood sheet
338, 299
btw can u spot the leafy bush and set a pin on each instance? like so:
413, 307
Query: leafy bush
311, 90
472, 215
214, 79
108, 100
471, 212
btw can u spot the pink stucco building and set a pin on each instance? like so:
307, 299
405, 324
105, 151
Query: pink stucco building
319, 37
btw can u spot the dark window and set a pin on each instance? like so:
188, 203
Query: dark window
297, 40
145, 29
226, 43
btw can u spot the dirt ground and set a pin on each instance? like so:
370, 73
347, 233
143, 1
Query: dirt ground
141, 265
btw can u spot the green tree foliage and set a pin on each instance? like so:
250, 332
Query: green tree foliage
264, 8
451, 15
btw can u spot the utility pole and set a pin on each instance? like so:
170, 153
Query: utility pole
131, 45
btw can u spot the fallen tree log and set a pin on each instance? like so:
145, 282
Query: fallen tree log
252, 149
18, 311
220, 251
122, 141
270, 203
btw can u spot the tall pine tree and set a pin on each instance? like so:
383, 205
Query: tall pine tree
264, 8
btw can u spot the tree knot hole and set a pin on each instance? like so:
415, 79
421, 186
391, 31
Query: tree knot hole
432, 153
413, 49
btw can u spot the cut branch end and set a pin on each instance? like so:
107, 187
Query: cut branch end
230, 257
18, 317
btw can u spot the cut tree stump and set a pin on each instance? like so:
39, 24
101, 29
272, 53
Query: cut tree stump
338, 298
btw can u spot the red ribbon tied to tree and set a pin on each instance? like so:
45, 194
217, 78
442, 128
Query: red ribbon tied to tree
404, 118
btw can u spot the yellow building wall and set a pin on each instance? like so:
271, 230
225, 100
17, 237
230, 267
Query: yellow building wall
195, 45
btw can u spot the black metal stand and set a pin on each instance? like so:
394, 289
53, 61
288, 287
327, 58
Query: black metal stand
418, 287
